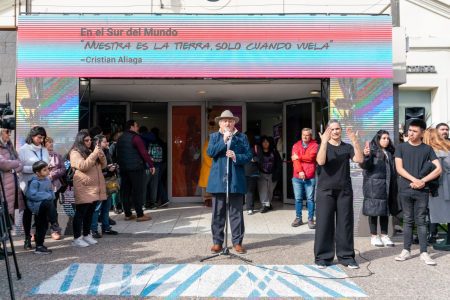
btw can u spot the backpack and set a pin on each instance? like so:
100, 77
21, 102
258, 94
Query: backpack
67, 179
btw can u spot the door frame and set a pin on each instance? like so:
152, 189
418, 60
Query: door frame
169, 148
286, 178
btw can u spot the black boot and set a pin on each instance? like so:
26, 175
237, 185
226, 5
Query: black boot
27, 243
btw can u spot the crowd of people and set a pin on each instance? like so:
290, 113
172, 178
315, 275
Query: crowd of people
102, 177
409, 181
396, 181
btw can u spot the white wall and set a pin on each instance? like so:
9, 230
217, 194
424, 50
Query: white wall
429, 41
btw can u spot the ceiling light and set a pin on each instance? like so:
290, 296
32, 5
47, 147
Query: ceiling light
144, 117
314, 92
201, 92
135, 112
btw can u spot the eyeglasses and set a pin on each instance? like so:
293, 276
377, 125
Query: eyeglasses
87, 140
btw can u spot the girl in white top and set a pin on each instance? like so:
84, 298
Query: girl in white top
32, 151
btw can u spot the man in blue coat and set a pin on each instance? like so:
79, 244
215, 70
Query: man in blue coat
228, 145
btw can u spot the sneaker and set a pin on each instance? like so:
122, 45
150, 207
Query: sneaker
96, 235
42, 250
27, 244
427, 259
403, 256
89, 239
376, 241
110, 232
79, 242
250, 212
112, 222
264, 209
353, 265
311, 224
297, 222
321, 266
387, 241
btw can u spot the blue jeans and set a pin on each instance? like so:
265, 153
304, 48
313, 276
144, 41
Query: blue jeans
304, 188
101, 209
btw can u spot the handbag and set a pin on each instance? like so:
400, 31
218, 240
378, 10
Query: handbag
112, 185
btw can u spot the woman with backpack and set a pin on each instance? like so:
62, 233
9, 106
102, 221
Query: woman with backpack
32, 151
88, 184
57, 173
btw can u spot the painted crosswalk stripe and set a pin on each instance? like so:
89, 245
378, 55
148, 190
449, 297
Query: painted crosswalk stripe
199, 281
316, 283
69, 278
153, 286
342, 282
126, 280
188, 282
93, 288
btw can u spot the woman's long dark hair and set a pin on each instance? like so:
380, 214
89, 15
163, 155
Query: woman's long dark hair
36, 130
269, 139
375, 146
79, 144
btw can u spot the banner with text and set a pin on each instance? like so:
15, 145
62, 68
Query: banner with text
218, 46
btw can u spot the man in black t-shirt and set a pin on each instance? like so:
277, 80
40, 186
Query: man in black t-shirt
411, 160
334, 198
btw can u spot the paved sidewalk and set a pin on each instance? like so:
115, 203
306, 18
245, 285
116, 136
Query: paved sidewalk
178, 237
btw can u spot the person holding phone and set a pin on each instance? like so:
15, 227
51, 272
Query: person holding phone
88, 185
103, 207
379, 186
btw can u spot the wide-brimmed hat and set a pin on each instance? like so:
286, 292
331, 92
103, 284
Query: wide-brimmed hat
226, 114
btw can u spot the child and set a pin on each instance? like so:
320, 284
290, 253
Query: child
40, 197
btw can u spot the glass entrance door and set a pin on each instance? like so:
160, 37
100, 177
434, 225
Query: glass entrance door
296, 116
185, 136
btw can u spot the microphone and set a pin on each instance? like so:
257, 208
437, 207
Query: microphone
228, 142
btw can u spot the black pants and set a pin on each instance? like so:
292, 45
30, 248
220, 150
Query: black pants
415, 210
235, 215
133, 183
26, 220
46, 214
83, 218
334, 226
373, 224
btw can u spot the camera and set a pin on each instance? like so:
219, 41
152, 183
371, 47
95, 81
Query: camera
5, 110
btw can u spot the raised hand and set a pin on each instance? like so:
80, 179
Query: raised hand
353, 136
326, 135
366, 149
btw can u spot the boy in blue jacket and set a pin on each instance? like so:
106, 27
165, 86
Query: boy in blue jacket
40, 197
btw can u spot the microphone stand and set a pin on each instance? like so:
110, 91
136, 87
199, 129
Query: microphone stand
225, 251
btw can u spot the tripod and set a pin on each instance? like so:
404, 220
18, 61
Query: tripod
225, 251
5, 234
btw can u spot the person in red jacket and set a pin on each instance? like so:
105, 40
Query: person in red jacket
304, 154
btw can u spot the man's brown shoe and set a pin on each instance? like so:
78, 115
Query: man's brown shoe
143, 218
129, 218
216, 248
239, 249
